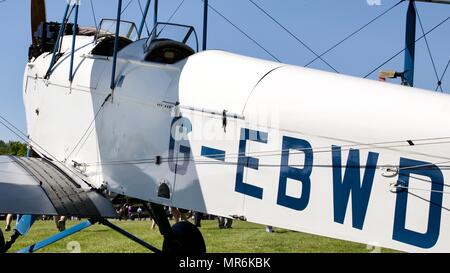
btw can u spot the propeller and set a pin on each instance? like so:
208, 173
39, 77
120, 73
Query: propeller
38, 16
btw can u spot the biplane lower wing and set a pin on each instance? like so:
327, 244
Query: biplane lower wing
38, 187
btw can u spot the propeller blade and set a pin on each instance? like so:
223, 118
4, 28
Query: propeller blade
38, 16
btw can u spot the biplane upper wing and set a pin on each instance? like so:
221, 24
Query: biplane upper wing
37, 186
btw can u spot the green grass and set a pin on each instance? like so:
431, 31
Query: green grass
244, 237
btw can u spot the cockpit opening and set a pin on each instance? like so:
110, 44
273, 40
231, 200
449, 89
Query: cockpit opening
168, 43
105, 36
167, 51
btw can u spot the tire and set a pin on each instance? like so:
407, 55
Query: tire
186, 239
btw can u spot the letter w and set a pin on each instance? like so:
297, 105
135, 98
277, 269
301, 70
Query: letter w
352, 183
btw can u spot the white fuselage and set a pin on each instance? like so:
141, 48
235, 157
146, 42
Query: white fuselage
296, 141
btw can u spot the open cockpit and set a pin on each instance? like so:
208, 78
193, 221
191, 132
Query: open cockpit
167, 43
170, 43
105, 37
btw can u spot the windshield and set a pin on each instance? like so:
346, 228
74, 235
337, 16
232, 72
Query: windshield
108, 28
181, 33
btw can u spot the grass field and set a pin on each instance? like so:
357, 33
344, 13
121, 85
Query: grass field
244, 237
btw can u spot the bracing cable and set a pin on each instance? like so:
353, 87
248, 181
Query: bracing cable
428, 45
398, 53
89, 127
355, 32
8, 125
271, 153
293, 35
243, 32
443, 75
126, 7
93, 15
145, 21
171, 16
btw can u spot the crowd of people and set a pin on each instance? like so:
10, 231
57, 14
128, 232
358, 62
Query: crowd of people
60, 221
130, 212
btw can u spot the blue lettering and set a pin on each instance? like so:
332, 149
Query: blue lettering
401, 233
213, 153
352, 183
302, 175
183, 126
249, 162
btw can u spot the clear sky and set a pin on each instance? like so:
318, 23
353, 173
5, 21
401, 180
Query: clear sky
319, 23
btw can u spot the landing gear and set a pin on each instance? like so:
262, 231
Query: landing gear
186, 238
182, 237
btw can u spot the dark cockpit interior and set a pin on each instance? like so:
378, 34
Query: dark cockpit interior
167, 51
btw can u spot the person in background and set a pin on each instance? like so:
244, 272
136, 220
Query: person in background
120, 213
175, 214
269, 229
139, 213
153, 224
60, 222
129, 210
225, 222
9, 218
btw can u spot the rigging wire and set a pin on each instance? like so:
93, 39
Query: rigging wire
231, 163
243, 32
215, 162
26, 139
145, 21
427, 181
316, 150
175, 11
124, 9
89, 127
266, 165
428, 201
327, 149
443, 74
246, 162
170, 17
93, 14
355, 32
398, 53
18, 133
293, 35
428, 46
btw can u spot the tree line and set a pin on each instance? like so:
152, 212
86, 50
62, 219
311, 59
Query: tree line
13, 148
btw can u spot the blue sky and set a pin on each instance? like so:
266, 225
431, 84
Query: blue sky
319, 23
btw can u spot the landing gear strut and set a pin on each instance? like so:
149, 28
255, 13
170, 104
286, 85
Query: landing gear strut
183, 237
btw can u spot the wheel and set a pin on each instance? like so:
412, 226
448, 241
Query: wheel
186, 238
2, 242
